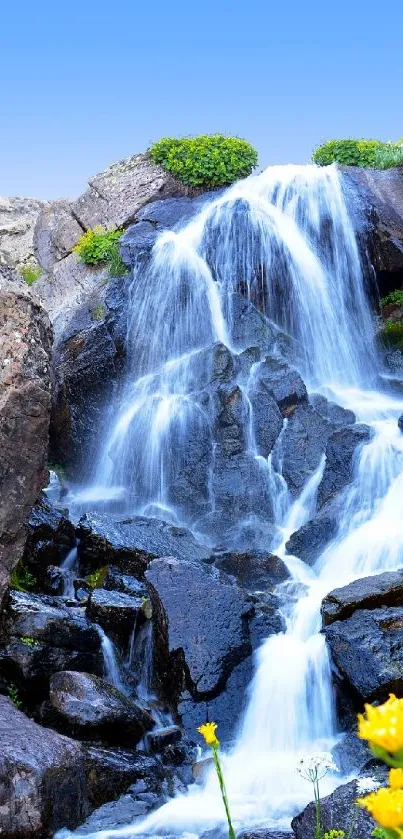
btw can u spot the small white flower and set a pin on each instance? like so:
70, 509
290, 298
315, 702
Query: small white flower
367, 785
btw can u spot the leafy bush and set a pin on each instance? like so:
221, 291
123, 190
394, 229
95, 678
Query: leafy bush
100, 246
30, 273
392, 334
207, 161
367, 154
395, 297
29, 642
21, 579
97, 578
14, 695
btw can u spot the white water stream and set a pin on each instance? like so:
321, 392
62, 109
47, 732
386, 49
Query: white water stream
297, 232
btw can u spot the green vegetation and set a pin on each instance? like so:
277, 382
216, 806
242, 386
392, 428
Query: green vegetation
101, 247
14, 695
97, 578
392, 334
21, 579
29, 642
99, 312
30, 272
367, 154
205, 161
395, 297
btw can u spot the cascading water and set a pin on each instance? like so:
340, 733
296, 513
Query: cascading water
283, 238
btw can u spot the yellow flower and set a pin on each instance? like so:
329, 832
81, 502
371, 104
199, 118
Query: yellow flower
386, 807
208, 732
396, 778
383, 725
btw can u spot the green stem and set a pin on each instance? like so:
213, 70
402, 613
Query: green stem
318, 820
231, 832
352, 825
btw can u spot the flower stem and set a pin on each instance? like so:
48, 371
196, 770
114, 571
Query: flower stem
318, 820
231, 832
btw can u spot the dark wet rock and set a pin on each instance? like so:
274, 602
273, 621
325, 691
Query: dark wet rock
240, 489
264, 833
337, 811
131, 543
90, 708
111, 771
50, 536
253, 570
158, 739
312, 538
342, 451
303, 445
137, 242
200, 629
115, 612
367, 649
250, 328
53, 582
351, 754
400, 422
266, 621
283, 383
230, 424
25, 350
367, 593
331, 411
42, 778
116, 580
267, 417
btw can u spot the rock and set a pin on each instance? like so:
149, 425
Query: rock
331, 411
342, 450
115, 196
309, 542
202, 637
351, 755
400, 422
254, 571
165, 214
117, 613
367, 593
50, 537
367, 649
54, 581
110, 771
130, 543
264, 833
337, 811
303, 445
55, 234
115, 580
250, 328
42, 778
160, 738
43, 636
67, 287
283, 383
25, 345
266, 416
90, 708
18, 217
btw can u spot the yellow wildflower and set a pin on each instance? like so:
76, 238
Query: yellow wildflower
386, 807
396, 778
382, 726
208, 732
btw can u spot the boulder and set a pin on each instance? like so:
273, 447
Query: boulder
131, 543
200, 630
90, 708
250, 328
342, 450
264, 833
116, 580
367, 649
331, 411
117, 613
283, 383
255, 571
309, 542
110, 771
50, 536
42, 778
18, 217
55, 234
303, 444
368, 593
25, 345
337, 812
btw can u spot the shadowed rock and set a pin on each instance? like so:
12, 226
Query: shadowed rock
368, 593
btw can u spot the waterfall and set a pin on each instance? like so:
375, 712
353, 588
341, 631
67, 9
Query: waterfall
111, 662
69, 572
286, 239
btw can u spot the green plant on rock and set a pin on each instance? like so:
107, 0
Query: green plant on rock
101, 247
392, 334
97, 578
395, 297
29, 642
21, 579
13, 694
30, 273
389, 155
367, 154
99, 313
206, 161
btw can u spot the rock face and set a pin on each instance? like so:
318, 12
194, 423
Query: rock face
368, 593
18, 217
25, 344
336, 810
341, 451
116, 612
50, 535
42, 778
90, 708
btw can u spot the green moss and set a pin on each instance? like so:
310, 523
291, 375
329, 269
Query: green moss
29, 642
205, 161
392, 334
21, 579
395, 297
30, 273
101, 247
97, 578
99, 313
14, 695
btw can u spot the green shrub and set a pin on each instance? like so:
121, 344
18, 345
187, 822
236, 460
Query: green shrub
30, 273
97, 578
14, 695
21, 579
100, 246
367, 154
395, 297
29, 642
205, 161
392, 334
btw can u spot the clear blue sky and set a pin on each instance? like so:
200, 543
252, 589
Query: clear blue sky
86, 83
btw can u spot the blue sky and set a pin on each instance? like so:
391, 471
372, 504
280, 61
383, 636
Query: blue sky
87, 83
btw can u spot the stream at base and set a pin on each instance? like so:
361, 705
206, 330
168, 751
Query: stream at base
290, 708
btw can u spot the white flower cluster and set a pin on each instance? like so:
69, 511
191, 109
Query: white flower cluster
367, 785
316, 765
